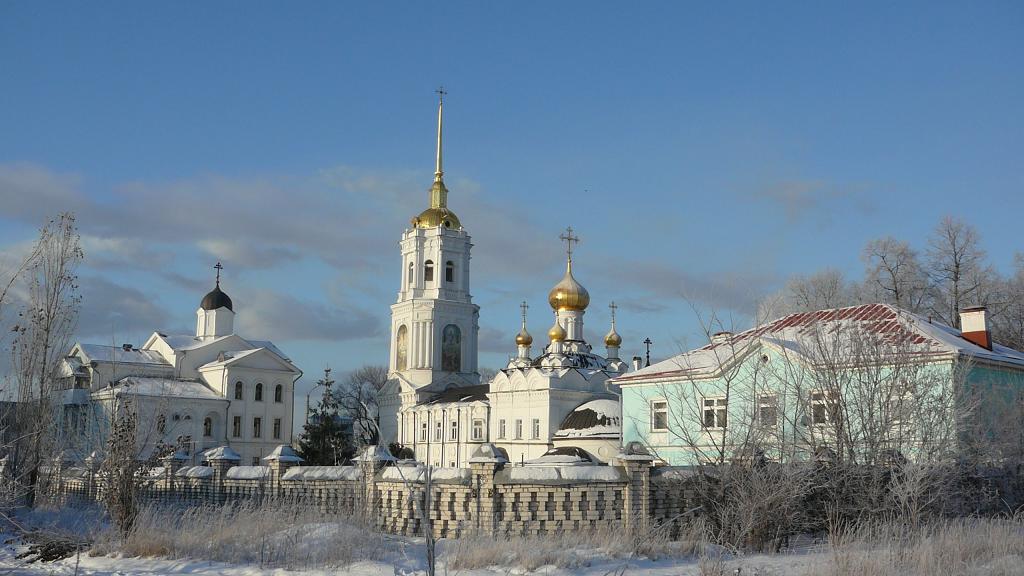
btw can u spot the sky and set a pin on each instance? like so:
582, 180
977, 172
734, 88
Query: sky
703, 152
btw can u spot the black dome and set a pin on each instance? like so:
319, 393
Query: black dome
216, 299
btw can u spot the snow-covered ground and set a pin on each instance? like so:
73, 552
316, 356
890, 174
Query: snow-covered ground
409, 563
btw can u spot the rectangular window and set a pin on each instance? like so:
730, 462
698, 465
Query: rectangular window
257, 427
536, 428
449, 272
255, 460
438, 431
767, 414
277, 428
819, 408
236, 427
519, 429
659, 415
453, 431
715, 413
423, 431
501, 428
478, 429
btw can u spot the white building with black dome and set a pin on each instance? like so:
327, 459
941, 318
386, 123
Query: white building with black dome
190, 391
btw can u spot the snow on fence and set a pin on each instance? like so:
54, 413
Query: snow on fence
488, 497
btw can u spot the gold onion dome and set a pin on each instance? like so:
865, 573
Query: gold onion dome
524, 338
434, 217
569, 294
557, 333
612, 339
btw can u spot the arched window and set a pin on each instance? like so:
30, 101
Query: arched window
408, 279
278, 393
428, 271
451, 348
207, 427
402, 348
259, 392
238, 391
161, 424
449, 271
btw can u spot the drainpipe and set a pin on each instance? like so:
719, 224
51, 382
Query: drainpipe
622, 420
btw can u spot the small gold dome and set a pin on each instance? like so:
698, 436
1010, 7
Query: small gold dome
568, 294
557, 333
434, 217
612, 339
524, 338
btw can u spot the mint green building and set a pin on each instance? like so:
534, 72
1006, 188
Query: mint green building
861, 384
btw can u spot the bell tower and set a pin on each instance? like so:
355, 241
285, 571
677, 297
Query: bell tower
434, 323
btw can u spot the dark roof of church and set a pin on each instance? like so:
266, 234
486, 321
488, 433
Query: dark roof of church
216, 299
461, 394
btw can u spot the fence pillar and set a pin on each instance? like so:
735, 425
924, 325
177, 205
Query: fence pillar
486, 461
636, 461
372, 459
280, 460
221, 460
92, 468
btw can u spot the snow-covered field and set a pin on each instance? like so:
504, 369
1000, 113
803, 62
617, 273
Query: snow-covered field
184, 541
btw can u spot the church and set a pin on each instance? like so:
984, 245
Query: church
553, 406
190, 392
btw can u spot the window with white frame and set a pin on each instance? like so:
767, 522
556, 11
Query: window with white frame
519, 429
453, 431
819, 408
659, 415
423, 431
536, 428
501, 428
478, 429
438, 431
767, 410
715, 412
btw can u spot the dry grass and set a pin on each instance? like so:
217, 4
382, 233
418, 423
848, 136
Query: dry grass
569, 549
969, 546
269, 535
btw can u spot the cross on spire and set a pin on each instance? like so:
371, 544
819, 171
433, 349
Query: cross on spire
441, 93
613, 308
568, 238
218, 267
524, 306
439, 169
648, 342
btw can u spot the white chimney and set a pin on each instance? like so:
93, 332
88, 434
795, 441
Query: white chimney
974, 326
638, 363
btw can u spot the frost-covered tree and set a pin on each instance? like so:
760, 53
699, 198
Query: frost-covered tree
324, 440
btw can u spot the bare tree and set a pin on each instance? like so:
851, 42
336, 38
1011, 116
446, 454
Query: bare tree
893, 275
819, 291
42, 339
1008, 325
957, 266
358, 397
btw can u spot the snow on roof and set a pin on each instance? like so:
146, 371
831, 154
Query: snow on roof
489, 453
189, 342
905, 331
195, 472
117, 354
459, 394
145, 386
563, 456
283, 453
221, 453
269, 346
323, 473
566, 473
376, 454
593, 419
248, 473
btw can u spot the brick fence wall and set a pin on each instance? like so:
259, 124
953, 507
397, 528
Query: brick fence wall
489, 497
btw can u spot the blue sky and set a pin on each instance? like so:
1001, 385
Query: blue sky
704, 153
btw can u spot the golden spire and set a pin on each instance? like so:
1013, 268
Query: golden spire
438, 214
523, 338
438, 192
